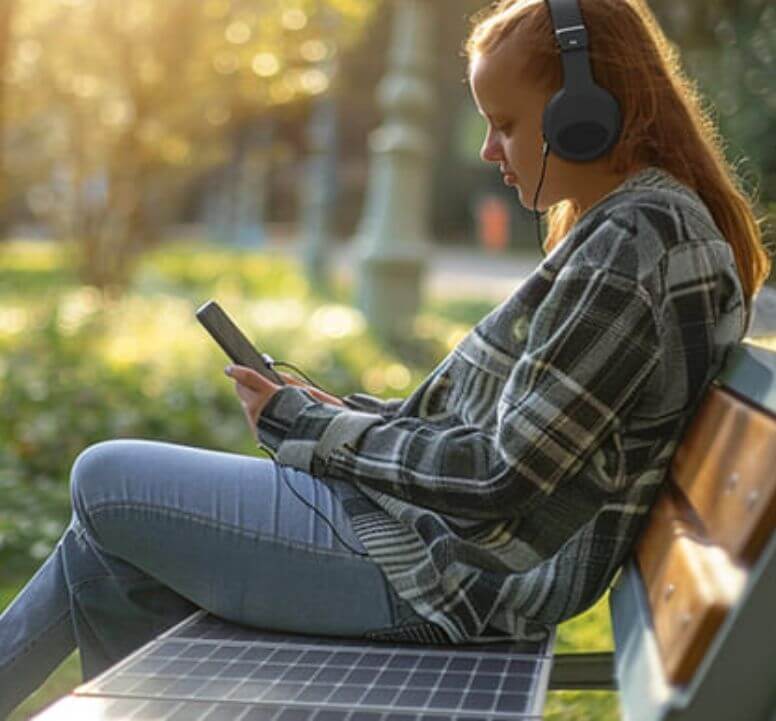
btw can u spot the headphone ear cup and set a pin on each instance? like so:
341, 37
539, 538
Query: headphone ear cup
582, 126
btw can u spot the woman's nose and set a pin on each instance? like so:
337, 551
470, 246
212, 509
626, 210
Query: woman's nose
490, 151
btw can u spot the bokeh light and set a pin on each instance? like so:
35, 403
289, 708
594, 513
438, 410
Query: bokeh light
238, 32
265, 64
294, 18
313, 50
336, 321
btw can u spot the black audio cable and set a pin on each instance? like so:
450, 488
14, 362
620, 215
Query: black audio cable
537, 215
271, 363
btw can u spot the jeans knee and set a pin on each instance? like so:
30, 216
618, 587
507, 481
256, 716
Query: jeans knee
91, 470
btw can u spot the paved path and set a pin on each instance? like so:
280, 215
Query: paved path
459, 273
469, 273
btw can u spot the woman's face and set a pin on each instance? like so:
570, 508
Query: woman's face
513, 110
514, 135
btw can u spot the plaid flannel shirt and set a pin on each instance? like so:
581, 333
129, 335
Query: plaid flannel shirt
513, 481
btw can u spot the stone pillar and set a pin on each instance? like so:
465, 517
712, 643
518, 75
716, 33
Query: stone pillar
236, 203
251, 185
391, 240
320, 191
320, 182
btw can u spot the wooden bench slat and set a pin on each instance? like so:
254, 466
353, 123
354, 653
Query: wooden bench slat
735, 679
726, 467
691, 584
692, 608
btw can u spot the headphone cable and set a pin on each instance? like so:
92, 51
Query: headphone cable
537, 214
271, 362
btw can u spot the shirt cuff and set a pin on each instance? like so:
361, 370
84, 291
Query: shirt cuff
304, 431
278, 416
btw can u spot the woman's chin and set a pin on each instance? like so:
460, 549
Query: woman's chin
527, 203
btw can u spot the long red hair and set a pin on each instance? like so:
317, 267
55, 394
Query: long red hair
664, 121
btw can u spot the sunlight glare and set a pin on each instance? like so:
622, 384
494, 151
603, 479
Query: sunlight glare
281, 313
313, 50
13, 320
294, 19
76, 307
397, 376
336, 321
238, 32
265, 64
373, 380
314, 81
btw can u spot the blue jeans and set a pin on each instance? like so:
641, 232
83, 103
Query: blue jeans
159, 530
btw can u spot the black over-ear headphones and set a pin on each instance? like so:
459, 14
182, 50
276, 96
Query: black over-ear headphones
582, 120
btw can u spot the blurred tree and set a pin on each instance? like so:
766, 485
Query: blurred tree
729, 46
121, 105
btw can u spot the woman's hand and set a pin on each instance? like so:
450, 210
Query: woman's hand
254, 391
320, 395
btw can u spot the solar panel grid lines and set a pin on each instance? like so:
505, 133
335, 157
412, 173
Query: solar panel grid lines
211, 669
200, 670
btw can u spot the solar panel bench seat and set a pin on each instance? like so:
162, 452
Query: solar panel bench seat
207, 669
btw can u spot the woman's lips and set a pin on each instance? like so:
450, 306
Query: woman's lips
510, 178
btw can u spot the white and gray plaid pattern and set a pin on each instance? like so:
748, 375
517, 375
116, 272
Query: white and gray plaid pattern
514, 479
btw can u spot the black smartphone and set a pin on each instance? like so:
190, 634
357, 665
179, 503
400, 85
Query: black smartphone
233, 341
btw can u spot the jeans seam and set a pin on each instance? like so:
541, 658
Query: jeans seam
221, 526
38, 636
102, 577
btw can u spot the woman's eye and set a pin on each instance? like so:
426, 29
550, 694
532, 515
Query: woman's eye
504, 128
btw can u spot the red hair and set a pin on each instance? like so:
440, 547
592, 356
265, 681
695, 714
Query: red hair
664, 123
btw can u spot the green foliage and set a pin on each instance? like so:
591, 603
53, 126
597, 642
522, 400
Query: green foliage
730, 50
78, 367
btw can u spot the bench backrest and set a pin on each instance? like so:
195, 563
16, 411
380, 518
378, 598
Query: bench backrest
692, 611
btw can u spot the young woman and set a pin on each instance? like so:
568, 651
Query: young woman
503, 494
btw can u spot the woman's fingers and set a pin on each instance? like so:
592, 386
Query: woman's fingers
288, 378
249, 377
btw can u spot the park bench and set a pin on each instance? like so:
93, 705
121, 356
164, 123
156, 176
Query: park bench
692, 609
690, 613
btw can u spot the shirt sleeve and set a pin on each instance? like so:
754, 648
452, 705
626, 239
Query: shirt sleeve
370, 404
591, 344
